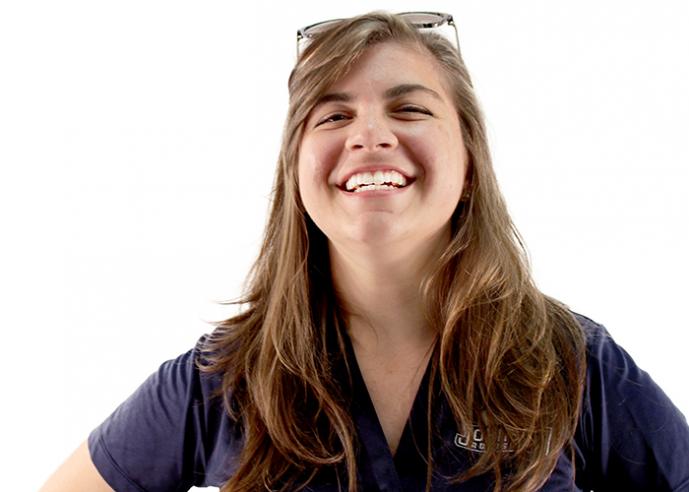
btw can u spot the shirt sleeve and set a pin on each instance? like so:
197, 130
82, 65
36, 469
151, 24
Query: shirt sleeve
154, 441
631, 436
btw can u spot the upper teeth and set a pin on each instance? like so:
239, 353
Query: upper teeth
379, 177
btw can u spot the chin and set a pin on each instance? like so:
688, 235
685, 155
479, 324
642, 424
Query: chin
377, 232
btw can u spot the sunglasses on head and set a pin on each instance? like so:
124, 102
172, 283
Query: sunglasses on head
423, 21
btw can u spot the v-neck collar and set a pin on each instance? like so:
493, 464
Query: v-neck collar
383, 466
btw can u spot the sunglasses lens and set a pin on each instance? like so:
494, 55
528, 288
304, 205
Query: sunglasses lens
424, 19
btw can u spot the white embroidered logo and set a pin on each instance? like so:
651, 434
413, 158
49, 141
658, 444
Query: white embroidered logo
478, 445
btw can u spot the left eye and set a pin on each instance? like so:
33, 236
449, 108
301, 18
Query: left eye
414, 109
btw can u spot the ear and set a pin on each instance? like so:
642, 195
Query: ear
468, 186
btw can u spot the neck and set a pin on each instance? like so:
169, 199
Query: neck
380, 291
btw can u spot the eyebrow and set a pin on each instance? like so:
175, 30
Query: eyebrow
393, 92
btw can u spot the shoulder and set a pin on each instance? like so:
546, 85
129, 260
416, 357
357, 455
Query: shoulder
172, 430
606, 361
613, 377
629, 434
180, 382
596, 334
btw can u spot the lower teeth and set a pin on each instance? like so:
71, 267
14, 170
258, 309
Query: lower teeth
374, 187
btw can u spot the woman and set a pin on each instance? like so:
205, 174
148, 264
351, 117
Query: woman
393, 337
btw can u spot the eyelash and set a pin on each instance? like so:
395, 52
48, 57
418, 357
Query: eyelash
406, 109
415, 109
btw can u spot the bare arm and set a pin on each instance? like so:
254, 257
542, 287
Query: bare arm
77, 474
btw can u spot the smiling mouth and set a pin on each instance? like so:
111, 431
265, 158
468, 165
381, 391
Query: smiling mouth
375, 180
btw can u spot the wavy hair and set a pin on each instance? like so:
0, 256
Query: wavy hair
507, 359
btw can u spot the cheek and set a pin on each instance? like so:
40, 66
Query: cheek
317, 160
443, 154
456, 154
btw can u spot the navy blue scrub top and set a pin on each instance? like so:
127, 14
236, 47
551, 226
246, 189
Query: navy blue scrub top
169, 435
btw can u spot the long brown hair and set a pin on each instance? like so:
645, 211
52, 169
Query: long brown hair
508, 359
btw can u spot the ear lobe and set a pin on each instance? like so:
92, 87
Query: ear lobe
468, 187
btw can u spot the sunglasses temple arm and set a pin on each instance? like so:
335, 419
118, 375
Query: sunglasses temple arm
457, 39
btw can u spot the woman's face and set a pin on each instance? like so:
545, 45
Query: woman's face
391, 112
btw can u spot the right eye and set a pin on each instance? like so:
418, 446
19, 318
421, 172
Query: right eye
332, 118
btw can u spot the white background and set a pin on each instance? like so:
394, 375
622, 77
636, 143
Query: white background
137, 148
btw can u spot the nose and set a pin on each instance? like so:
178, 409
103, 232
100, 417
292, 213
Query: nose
371, 131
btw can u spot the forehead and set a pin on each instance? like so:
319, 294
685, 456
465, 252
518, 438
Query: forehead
390, 64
